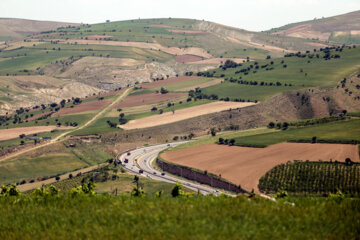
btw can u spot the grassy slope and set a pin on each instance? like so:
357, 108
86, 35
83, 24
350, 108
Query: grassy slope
48, 162
124, 184
106, 217
343, 130
209, 139
34, 57
141, 30
341, 23
320, 73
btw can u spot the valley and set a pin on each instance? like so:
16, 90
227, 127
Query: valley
176, 119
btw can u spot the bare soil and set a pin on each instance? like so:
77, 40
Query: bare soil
83, 107
159, 25
183, 114
7, 134
147, 98
304, 31
187, 58
245, 166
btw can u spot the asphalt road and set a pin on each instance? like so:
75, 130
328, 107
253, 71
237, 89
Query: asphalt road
142, 158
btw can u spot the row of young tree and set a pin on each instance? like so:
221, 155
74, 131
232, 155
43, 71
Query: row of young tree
313, 178
308, 122
198, 94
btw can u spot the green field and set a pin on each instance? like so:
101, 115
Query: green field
50, 162
208, 139
74, 118
252, 93
177, 87
334, 131
99, 126
300, 72
177, 106
198, 217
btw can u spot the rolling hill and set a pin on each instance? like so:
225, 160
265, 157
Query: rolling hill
343, 28
16, 29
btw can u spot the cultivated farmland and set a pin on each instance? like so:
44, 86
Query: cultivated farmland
245, 166
183, 114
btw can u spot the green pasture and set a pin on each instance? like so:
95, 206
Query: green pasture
342, 130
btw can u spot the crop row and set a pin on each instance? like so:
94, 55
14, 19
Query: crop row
313, 178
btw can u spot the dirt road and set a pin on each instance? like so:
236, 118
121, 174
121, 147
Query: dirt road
108, 107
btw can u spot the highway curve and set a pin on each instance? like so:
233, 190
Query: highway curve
142, 158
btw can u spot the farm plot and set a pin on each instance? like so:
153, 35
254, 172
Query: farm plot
6, 134
187, 58
147, 98
152, 46
84, 107
245, 166
219, 60
167, 81
179, 115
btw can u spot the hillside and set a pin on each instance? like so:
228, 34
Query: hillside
16, 29
343, 28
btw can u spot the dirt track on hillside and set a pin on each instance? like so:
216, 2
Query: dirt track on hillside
187, 58
179, 115
203, 85
219, 61
245, 166
11, 133
190, 32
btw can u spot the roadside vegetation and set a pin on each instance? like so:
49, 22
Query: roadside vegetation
161, 217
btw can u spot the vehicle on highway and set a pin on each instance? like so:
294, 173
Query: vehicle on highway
163, 174
126, 160
141, 171
129, 153
155, 173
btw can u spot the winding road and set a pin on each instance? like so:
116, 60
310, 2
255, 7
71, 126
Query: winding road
142, 159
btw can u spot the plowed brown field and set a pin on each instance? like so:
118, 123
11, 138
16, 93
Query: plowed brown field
245, 166
183, 114
83, 107
7, 134
147, 98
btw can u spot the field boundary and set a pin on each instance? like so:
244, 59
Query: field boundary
198, 176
